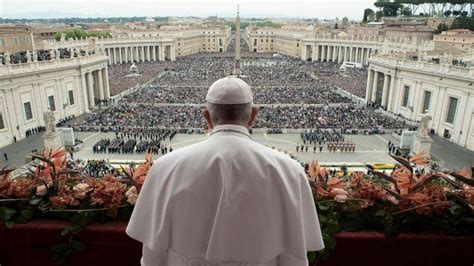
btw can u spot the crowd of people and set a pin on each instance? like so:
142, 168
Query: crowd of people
130, 146
352, 80
338, 117
317, 93
292, 93
345, 117
119, 80
137, 140
317, 138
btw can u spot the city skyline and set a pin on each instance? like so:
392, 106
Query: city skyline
322, 9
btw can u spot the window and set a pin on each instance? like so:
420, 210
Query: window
16, 41
453, 105
71, 98
28, 113
2, 125
52, 106
406, 93
426, 101
2, 42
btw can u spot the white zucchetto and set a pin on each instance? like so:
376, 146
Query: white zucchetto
229, 90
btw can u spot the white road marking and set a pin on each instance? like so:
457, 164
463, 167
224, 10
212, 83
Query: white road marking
380, 137
279, 140
91, 136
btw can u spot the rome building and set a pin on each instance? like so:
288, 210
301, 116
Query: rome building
410, 88
67, 87
155, 45
396, 82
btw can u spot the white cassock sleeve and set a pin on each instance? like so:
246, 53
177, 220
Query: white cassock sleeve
152, 258
312, 229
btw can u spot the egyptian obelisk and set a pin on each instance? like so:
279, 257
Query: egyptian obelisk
237, 71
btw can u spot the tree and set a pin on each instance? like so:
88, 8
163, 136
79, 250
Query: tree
463, 23
406, 11
367, 14
378, 15
389, 9
441, 27
78, 33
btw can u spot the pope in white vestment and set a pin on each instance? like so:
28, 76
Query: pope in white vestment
226, 200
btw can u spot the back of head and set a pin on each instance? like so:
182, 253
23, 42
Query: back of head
230, 101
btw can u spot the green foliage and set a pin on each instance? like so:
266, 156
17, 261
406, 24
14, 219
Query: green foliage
78, 33
441, 27
244, 25
337, 217
368, 14
463, 23
436, 7
77, 223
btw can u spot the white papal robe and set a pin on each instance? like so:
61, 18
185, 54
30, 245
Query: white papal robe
226, 201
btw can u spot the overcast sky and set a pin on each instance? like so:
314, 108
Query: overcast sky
108, 8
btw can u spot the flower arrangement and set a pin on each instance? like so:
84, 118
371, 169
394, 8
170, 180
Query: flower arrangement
411, 198
55, 187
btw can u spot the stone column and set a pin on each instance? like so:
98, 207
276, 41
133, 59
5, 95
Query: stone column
108, 54
346, 55
385, 90
391, 93
316, 52
100, 86
370, 82
153, 48
362, 57
173, 53
357, 55
143, 54
111, 55
90, 87
85, 99
107, 86
334, 53
120, 55
126, 54
350, 54
115, 55
324, 52
374, 86
161, 51
339, 54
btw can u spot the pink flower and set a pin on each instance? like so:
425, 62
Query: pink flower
81, 190
41, 190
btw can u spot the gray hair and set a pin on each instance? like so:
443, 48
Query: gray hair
229, 112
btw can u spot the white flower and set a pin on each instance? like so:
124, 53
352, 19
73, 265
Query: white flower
131, 190
341, 198
339, 191
393, 200
132, 199
41, 190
